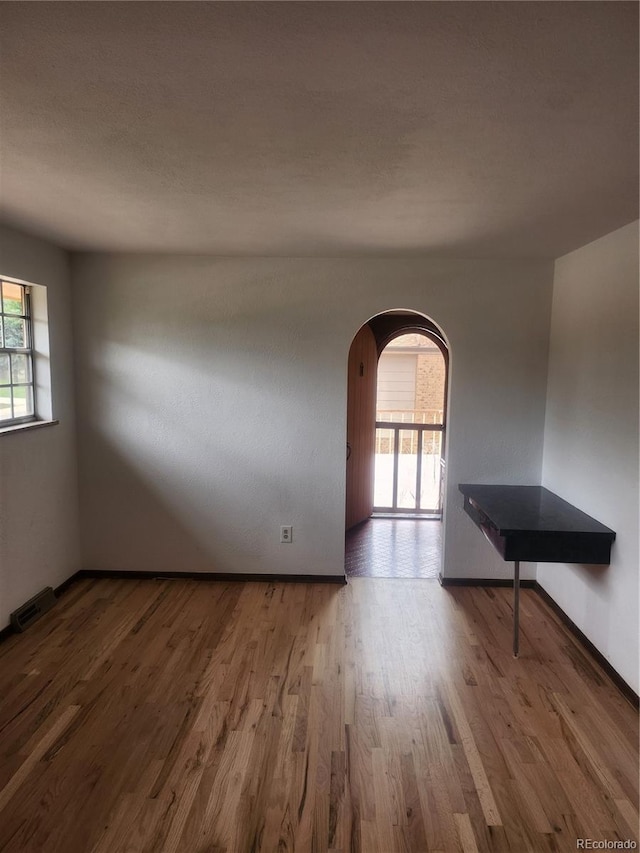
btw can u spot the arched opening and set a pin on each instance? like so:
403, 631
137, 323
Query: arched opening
410, 426
396, 442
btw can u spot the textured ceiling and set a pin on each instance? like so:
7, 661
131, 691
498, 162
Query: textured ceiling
468, 129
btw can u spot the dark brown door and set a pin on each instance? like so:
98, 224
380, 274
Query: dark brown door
361, 426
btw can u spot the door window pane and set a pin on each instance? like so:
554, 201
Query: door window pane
407, 469
383, 491
431, 471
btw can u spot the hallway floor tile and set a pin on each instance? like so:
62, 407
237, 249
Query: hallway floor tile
394, 548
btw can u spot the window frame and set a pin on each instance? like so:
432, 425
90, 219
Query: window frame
28, 350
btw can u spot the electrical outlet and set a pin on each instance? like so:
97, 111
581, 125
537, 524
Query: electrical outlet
286, 534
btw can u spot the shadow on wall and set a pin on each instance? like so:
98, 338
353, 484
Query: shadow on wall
132, 527
194, 453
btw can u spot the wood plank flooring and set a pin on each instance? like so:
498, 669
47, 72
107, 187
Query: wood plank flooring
381, 716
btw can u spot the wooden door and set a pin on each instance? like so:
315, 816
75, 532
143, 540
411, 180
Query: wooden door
361, 426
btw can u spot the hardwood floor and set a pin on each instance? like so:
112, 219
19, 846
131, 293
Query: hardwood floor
380, 716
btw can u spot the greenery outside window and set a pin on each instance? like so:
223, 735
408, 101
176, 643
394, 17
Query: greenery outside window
17, 403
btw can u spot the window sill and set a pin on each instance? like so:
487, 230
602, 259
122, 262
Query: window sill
29, 425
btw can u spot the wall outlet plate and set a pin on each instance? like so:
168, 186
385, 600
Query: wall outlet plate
286, 534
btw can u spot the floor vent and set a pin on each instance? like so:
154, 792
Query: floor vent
33, 609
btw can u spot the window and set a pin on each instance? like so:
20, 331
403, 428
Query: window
17, 404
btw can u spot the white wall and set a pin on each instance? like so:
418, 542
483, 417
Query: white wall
591, 436
212, 401
39, 542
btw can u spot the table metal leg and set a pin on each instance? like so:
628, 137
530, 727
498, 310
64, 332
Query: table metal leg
516, 608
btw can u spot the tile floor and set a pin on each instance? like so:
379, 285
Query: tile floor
394, 548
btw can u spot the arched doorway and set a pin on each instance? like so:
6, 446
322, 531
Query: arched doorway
396, 438
410, 426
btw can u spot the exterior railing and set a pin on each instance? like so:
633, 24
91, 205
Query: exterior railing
414, 441
411, 416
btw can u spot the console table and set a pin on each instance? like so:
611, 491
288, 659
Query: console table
530, 523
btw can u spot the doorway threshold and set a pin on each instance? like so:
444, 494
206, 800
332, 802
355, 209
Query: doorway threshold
413, 516
394, 548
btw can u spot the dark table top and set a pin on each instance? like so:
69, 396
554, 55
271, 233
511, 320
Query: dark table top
532, 508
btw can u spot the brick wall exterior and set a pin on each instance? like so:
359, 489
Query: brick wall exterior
430, 377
